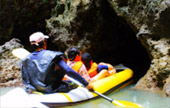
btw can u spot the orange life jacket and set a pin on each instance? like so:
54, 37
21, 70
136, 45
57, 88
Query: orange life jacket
77, 66
93, 70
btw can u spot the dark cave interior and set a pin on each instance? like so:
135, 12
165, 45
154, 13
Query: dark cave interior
120, 45
118, 41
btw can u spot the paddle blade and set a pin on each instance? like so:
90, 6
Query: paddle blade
121, 103
20, 53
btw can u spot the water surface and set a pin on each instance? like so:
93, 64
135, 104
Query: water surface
144, 98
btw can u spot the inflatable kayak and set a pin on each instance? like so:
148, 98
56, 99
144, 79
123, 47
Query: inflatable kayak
81, 94
19, 98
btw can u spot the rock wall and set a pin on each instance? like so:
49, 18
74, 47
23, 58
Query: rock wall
150, 20
10, 74
158, 75
76, 22
19, 18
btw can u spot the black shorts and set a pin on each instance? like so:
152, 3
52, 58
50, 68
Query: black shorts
66, 86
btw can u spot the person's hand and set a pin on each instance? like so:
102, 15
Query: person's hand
113, 71
92, 80
90, 87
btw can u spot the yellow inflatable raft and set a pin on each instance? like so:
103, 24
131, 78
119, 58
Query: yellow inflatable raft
77, 95
81, 94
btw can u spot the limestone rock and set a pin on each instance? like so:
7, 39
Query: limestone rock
150, 20
10, 74
73, 22
20, 18
157, 76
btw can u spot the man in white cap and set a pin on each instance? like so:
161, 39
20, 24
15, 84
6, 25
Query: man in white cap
38, 39
43, 70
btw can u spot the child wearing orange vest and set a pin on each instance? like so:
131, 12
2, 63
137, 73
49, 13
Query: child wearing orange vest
97, 71
74, 61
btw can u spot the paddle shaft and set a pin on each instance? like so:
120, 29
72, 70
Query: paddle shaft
105, 97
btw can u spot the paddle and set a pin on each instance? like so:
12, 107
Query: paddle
118, 103
21, 53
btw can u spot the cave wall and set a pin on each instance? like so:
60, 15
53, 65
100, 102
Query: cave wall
20, 18
150, 20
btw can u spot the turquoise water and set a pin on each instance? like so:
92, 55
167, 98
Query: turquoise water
144, 98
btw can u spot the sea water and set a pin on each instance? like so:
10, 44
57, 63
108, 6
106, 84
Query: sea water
144, 98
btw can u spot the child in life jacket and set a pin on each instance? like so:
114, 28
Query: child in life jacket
74, 61
97, 71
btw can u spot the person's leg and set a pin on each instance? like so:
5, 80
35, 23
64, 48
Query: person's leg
65, 85
103, 73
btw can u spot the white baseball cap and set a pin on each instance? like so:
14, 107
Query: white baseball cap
37, 37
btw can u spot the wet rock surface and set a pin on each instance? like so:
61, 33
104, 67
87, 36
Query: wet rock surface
10, 74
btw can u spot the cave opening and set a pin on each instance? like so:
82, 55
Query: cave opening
119, 44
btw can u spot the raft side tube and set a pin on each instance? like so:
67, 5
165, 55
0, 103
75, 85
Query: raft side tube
109, 82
